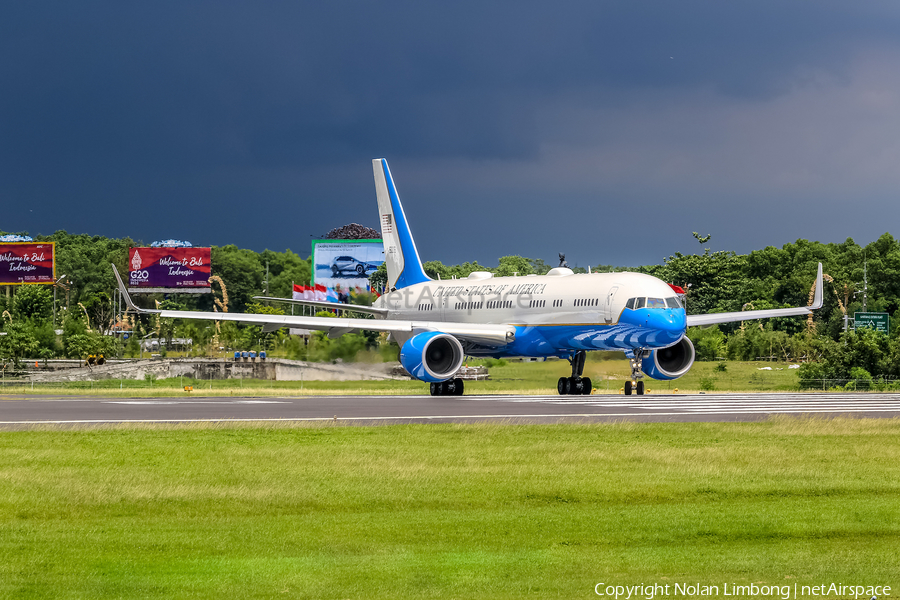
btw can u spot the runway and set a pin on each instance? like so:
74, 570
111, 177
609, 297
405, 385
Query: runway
24, 411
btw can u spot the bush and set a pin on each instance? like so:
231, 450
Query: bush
493, 362
709, 344
708, 384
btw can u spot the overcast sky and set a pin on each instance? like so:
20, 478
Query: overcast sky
606, 130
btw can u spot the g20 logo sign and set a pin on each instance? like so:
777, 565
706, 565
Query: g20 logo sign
140, 275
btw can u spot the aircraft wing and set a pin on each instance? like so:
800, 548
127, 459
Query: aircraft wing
485, 334
368, 310
749, 315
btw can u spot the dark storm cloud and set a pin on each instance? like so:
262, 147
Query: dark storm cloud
211, 121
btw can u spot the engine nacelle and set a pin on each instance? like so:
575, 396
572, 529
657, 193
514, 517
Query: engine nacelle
670, 363
432, 356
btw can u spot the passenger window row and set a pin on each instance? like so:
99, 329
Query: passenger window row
557, 303
587, 302
426, 307
538, 304
500, 304
469, 305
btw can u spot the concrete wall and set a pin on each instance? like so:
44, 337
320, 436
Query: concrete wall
275, 369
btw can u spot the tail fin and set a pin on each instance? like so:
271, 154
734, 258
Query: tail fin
400, 255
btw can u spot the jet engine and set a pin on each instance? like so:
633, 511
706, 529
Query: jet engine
432, 356
670, 363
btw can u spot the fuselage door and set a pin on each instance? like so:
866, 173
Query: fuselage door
609, 303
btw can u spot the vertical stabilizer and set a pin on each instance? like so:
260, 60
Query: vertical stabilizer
400, 255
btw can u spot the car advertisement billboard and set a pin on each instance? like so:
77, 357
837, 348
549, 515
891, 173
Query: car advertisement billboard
27, 262
346, 263
168, 269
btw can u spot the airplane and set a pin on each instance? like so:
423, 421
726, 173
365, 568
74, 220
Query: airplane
437, 323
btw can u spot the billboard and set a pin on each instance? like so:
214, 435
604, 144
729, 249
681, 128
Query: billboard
27, 262
169, 270
346, 263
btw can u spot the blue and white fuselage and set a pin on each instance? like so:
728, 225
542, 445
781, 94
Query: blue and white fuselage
438, 323
552, 315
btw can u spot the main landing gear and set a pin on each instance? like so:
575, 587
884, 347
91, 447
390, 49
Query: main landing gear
636, 383
452, 387
575, 385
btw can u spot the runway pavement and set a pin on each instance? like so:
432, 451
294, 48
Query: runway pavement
23, 411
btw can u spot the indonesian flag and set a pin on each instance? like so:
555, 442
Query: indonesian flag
320, 292
304, 292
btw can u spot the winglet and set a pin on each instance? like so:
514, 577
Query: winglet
125, 295
818, 298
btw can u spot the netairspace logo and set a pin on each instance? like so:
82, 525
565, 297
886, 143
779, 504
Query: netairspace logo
784, 592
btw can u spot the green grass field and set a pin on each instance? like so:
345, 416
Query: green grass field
608, 376
445, 511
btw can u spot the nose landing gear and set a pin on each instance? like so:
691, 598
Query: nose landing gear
636, 383
576, 385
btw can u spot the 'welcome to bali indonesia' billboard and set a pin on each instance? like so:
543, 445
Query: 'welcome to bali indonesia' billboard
27, 262
183, 270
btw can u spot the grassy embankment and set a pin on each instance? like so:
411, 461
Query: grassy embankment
607, 376
474, 511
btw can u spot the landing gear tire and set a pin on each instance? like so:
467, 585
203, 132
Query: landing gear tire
588, 387
627, 388
453, 387
576, 386
640, 388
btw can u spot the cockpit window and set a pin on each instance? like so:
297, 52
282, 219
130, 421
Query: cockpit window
636, 303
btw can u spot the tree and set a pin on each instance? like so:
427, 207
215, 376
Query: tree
242, 273
510, 265
433, 268
19, 342
82, 345
709, 344
378, 278
285, 269
33, 303
251, 334
324, 349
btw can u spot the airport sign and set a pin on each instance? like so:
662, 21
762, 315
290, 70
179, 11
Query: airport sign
877, 321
